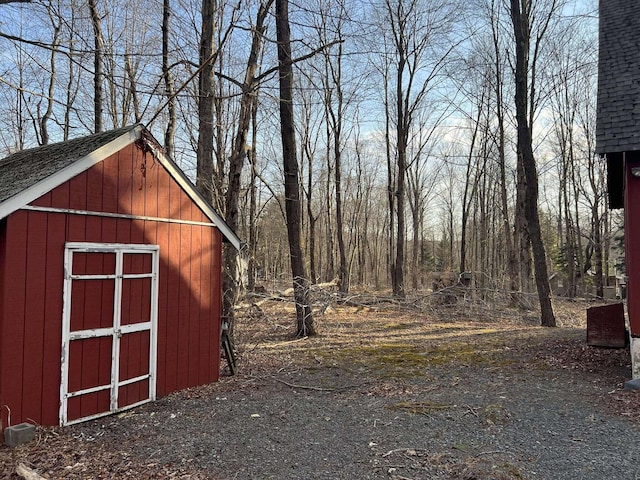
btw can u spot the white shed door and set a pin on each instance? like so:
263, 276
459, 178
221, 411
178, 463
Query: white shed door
109, 329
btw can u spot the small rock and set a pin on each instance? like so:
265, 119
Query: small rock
632, 384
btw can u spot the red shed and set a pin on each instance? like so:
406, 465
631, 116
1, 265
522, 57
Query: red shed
110, 279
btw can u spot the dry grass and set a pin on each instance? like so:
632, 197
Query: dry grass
391, 341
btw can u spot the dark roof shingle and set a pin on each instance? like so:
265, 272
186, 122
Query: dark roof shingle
25, 168
618, 110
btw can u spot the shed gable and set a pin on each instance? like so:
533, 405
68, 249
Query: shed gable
129, 182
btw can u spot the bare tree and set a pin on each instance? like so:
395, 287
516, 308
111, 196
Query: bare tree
418, 59
56, 23
304, 317
98, 40
204, 176
521, 18
497, 59
170, 131
248, 99
334, 103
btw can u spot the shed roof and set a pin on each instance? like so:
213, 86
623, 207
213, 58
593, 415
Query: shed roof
618, 110
29, 174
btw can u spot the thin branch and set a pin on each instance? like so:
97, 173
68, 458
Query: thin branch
273, 70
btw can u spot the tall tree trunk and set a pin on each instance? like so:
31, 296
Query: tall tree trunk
512, 269
98, 41
597, 247
170, 131
312, 219
520, 21
469, 190
402, 136
344, 270
204, 173
333, 67
230, 279
304, 317
330, 270
391, 190
44, 121
521, 228
416, 220
253, 202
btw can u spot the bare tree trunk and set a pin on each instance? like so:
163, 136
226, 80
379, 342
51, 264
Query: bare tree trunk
512, 270
597, 248
44, 121
333, 70
230, 285
330, 270
415, 205
170, 131
521, 230
391, 190
469, 190
312, 219
398, 268
253, 202
402, 138
304, 317
98, 40
520, 21
204, 173
132, 90
71, 84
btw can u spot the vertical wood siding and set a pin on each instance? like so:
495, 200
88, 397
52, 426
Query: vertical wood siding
128, 182
632, 240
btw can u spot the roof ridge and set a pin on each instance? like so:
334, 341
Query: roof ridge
17, 155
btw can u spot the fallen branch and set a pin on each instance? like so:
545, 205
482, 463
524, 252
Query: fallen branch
318, 389
288, 342
27, 473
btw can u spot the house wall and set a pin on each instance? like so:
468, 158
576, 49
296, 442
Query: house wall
632, 240
31, 295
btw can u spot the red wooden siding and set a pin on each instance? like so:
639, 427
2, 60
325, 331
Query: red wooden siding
91, 308
31, 288
3, 236
632, 240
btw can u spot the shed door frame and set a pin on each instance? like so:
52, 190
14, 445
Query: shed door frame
116, 331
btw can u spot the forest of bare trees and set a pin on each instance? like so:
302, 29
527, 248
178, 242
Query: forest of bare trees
381, 143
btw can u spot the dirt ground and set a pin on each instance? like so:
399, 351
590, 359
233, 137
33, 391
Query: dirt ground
464, 391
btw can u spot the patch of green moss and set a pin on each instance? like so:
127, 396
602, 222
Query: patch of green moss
407, 360
387, 359
496, 414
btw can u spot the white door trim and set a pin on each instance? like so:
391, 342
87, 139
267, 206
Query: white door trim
116, 331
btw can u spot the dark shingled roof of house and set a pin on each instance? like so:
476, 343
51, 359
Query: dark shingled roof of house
26, 168
618, 124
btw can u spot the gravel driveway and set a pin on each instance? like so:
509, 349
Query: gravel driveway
545, 408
